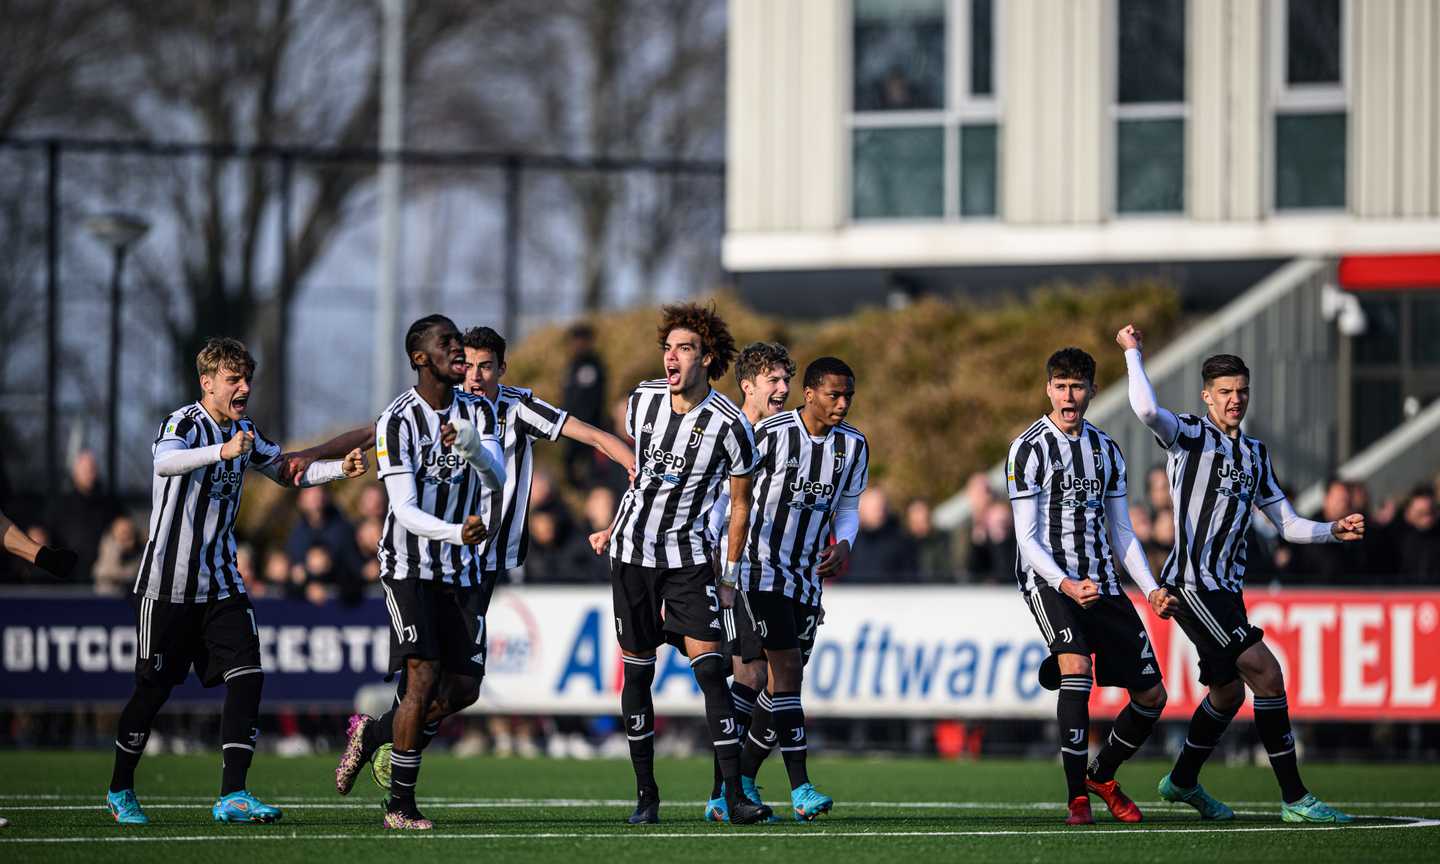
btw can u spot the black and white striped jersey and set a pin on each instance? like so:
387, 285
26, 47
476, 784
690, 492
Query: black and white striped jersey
798, 482
1071, 477
521, 419
1216, 482
681, 462
190, 556
407, 440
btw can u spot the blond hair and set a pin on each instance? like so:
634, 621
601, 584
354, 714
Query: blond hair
224, 352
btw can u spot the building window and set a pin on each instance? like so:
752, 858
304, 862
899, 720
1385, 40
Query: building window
924, 127
1308, 67
1150, 106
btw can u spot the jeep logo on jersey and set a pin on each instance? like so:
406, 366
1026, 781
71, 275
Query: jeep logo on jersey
1230, 471
1090, 485
224, 483
812, 487
665, 458
443, 467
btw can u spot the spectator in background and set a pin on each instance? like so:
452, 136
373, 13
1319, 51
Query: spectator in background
245, 563
992, 552
978, 495
1419, 545
319, 576
931, 548
321, 524
556, 555
1322, 564
1157, 490
544, 500
585, 400
367, 542
81, 517
277, 577
372, 503
882, 551
599, 512
1162, 538
118, 560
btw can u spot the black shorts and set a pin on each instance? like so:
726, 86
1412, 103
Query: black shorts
782, 623
1216, 622
1110, 630
742, 638
432, 620
216, 637
655, 605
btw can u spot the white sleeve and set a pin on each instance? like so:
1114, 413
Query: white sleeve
182, 460
847, 519
327, 471
1127, 545
1027, 536
401, 489
1162, 421
483, 452
1294, 528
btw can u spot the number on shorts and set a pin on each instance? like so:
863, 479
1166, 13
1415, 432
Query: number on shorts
253, 628
714, 600
1145, 652
808, 631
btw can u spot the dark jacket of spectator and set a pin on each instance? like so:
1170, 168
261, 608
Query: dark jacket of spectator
82, 516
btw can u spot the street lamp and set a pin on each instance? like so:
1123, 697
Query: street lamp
118, 231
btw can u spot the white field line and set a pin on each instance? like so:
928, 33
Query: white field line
452, 801
642, 834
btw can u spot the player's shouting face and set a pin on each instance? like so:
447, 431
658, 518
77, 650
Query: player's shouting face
685, 363
227, 392
443, 351
1229, 399
1069, 399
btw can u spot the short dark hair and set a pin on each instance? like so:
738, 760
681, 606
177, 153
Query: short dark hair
704, 321
417, 332
817, 370
1070, 363
486, 339
1222, 366
1421, 491
759, 357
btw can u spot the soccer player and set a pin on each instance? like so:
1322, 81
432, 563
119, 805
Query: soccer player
1218, 477
439, 456
189, 598
688, 439
812, 467
1067, 488
522, 419
762, 371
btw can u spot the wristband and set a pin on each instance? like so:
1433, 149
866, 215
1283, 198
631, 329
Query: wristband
731, 575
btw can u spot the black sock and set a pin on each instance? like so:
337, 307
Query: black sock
428, 733
404, 774
639, 709
1272, 721
382, 731
134, 732
237, 726
790, 730
720, 717
1207, 724
1072, 709
761, 737
1132, 726
742, 698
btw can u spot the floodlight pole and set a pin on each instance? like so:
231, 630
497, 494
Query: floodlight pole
392, 116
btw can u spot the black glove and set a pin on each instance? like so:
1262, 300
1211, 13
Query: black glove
60, 562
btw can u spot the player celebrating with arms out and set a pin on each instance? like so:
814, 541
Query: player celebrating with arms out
438, 455
688, 439
522, 419
1067, 488
1218, 476
812, 467
189, 598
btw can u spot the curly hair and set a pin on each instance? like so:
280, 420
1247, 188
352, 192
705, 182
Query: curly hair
757, 358
715, 338
1070, 363
224, 352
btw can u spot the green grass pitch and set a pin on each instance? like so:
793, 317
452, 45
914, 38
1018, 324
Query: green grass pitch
515, 810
